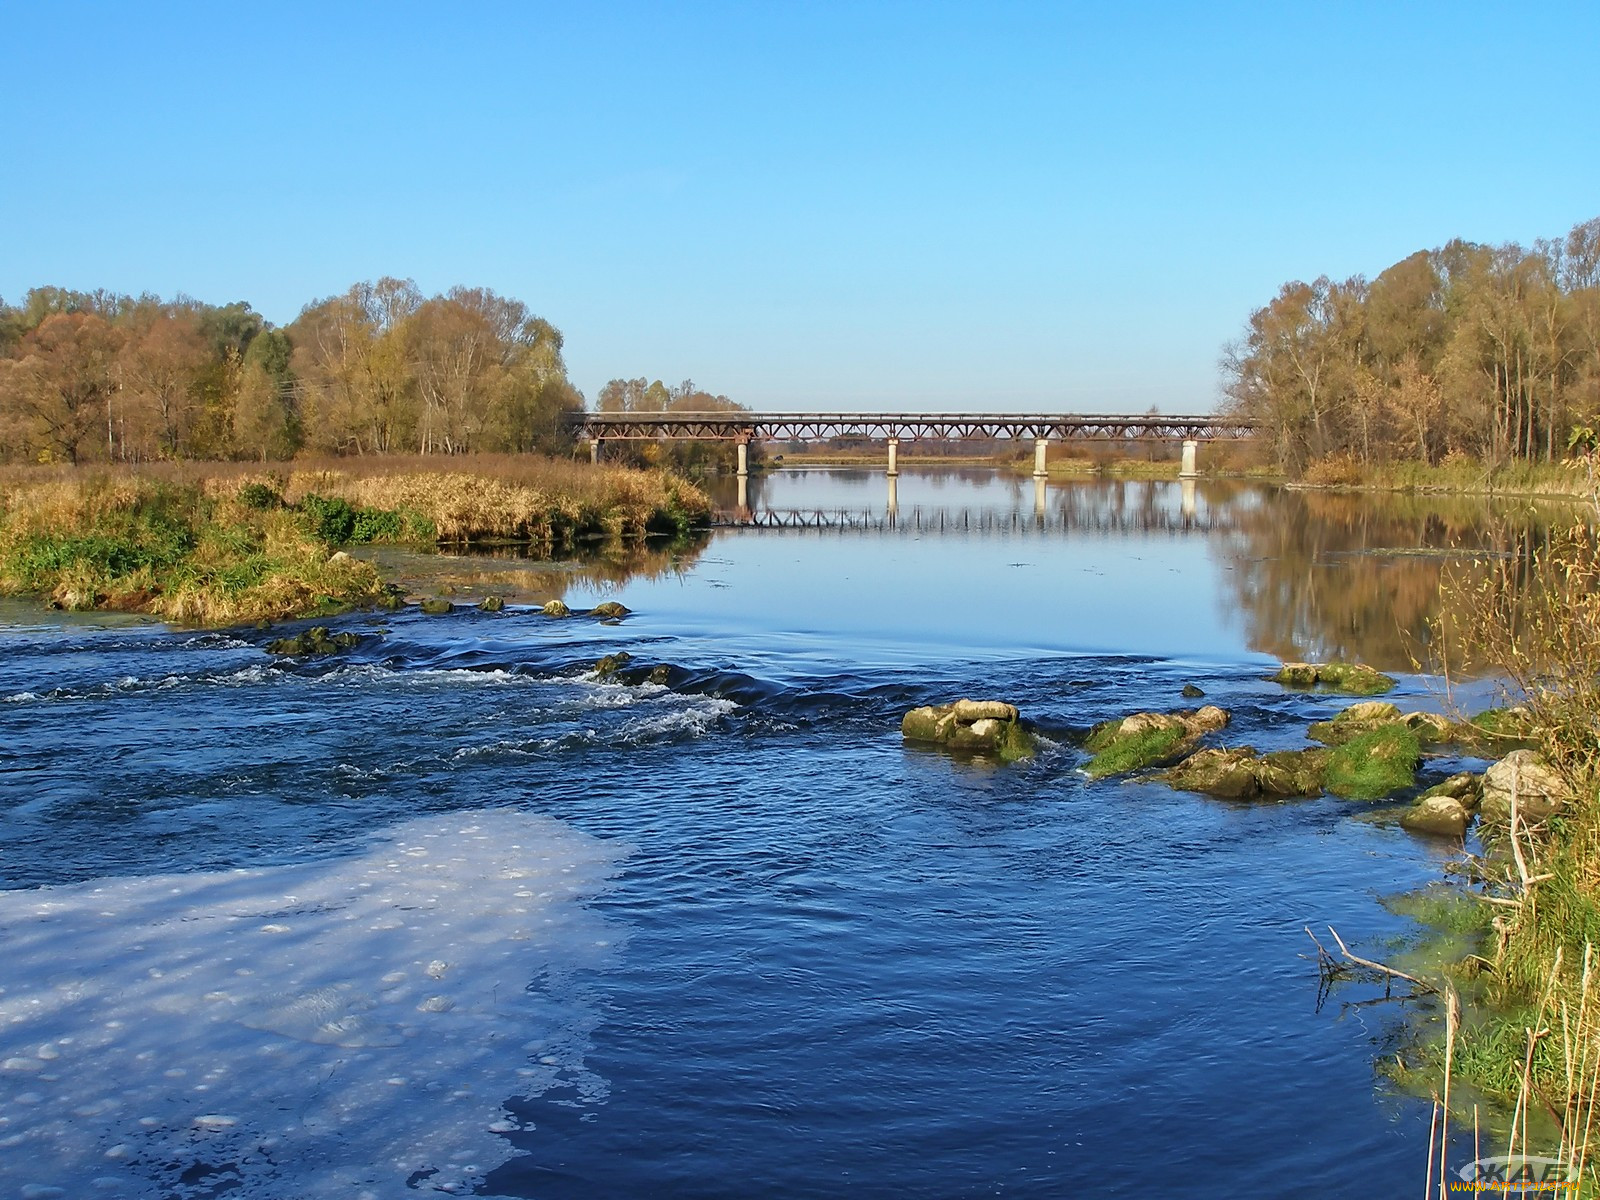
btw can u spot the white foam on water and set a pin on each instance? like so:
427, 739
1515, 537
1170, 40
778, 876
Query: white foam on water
326, 1029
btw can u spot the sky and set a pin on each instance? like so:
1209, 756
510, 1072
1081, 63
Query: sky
823, 206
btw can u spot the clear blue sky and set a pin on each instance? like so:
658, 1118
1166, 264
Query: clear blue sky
853, 205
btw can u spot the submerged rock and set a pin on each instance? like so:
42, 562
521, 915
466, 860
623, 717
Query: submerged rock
1541, 790
609, 609
491, 604
438, 607
971, 727
1353, 679
314, 642
1242, 774
1190, 692
1149, 739
556, 608
1374, 764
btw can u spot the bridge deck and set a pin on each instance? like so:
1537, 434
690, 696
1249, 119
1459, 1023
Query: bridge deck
750, 426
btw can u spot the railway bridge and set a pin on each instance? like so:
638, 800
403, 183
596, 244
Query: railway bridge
742, 428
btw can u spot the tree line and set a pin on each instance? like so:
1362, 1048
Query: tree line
1468, 351
380, 369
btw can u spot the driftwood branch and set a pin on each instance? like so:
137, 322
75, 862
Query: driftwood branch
1367, 964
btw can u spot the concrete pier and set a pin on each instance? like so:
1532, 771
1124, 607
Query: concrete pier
894, 447
744, 460
594, 449
1040, 446
1191, 449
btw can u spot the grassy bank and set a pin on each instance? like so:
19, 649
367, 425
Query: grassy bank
217, 544
1529, 1032
1459, 476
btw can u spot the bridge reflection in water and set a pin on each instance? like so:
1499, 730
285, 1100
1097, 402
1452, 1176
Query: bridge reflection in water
1143, 506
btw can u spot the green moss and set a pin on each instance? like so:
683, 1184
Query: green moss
1444, 908
1374, 765
1118, 756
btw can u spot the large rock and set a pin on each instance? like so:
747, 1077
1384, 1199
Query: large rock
610, 610
988, 727
1437, 814
1356, 719
1541, 790
1241, 774
1149, 739
1353, 679
555, 608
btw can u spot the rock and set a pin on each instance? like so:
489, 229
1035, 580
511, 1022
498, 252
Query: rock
491, 604
314, 642
968, 711
661, 673
989, 727
555, 608
1504, 727
438, 606
1431, 727
1356, 719
1374, 764
612, 663
1541, 790
340, 558
1437, 814
1243, 775
1464, 787
1190, 692
392, 599
1353, 679
609, 609
1149, 739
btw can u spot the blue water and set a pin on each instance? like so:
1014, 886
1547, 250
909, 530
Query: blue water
833, 964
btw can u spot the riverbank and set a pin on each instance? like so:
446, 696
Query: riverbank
219, 544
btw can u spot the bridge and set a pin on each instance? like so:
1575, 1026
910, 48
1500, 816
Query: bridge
742, 428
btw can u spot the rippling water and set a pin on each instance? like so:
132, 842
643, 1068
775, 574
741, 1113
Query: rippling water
451, 912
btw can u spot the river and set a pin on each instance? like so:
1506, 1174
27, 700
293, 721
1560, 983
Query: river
450, 912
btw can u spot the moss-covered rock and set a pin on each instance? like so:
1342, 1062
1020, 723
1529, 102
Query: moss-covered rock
610, 609
1148, 739
987, 727
1374, 764
314, 642
611, 664
1352, 679
1242, 774
1465, 787
1356, 719
1191, 692
491, 604
555, 608
438, 606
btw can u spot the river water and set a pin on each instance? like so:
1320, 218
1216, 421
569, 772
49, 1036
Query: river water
450, 913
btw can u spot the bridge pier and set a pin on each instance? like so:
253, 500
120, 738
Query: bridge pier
1040, 446
594, 449
744, 460
1191, 450
894, 446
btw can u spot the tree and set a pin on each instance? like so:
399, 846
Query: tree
62, 386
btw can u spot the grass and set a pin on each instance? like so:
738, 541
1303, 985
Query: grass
1119, 755
229, 544
1374, 765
